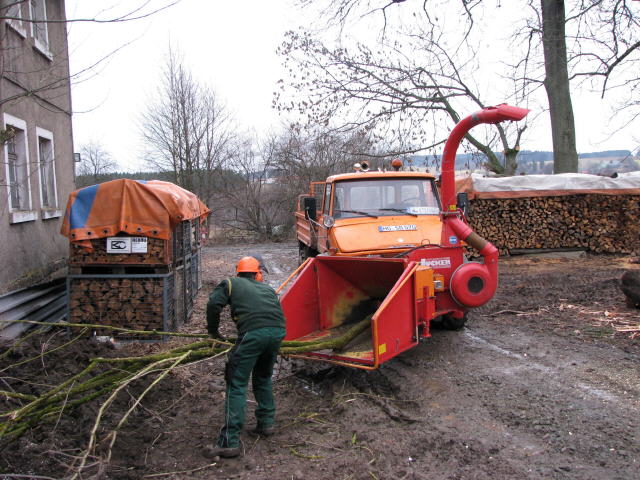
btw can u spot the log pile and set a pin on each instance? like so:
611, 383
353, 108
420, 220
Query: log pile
133, 303
597, 223
158, 253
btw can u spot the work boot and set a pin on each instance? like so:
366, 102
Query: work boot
263, 431
211, 451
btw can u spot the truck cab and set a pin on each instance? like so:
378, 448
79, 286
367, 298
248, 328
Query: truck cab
369, 213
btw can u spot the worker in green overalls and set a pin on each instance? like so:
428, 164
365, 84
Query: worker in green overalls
256, 311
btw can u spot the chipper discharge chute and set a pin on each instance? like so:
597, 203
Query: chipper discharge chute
393, 260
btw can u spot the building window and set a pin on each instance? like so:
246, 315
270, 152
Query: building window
11, 51
12, 11
17, 162
47, 169
14, 172
39, 25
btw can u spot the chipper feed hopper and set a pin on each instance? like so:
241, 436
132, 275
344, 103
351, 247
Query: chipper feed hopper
393, 292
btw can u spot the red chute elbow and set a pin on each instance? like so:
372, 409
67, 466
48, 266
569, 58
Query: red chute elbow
500, 113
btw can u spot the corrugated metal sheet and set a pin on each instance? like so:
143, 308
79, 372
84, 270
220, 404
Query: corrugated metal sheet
40, 303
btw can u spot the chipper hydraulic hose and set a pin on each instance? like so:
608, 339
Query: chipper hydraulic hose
472, 284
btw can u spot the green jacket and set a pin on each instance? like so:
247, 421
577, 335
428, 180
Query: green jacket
253, 305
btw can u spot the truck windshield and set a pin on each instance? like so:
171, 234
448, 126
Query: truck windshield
385, 197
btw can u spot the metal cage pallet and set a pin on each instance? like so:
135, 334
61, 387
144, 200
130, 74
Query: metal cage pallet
136, 302
139, 291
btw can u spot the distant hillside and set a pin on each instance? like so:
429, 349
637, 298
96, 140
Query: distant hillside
86, 180
528, 160
606, 154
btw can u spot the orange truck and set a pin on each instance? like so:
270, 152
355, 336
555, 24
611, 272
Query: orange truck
389, 244
369, 213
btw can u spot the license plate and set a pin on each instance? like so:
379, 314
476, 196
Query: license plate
396, 228
424, 210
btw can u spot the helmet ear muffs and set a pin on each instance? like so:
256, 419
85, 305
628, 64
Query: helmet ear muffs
259, 277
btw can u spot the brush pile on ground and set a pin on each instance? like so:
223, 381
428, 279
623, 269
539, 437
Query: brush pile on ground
26, 404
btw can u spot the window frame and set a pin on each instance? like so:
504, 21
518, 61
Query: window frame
17, 25
18, 215
41, 47
391, 192
47, 211
326, 202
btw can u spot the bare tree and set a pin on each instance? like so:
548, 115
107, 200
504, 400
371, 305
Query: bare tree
248, 196
410, 93
186, 129
597, 40
54, 76
305, 156
95, 163
258, 189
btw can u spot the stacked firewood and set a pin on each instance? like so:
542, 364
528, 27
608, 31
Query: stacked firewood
157, 254
133, 303
597, 223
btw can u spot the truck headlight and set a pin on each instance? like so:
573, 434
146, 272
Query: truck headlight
328, 221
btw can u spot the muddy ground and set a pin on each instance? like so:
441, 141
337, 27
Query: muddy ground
538, 386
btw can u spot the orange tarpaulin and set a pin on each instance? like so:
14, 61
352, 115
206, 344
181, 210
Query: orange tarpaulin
145, 208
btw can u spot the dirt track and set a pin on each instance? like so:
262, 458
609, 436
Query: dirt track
538, 386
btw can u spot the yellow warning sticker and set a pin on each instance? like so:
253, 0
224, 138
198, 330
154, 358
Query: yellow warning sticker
382, 348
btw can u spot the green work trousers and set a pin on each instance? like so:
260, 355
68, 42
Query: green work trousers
253, 355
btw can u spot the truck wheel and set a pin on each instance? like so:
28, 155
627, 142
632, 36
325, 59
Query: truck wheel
451, 323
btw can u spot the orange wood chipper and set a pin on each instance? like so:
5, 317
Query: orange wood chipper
388, 246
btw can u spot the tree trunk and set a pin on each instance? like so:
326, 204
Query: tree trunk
511, 161
493, 163
556, 83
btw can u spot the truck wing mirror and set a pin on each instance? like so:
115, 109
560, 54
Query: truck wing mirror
462, 199
309, 205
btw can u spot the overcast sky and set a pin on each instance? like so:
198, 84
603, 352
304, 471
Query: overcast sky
230, 45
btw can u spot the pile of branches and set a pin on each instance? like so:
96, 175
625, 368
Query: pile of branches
104, 378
